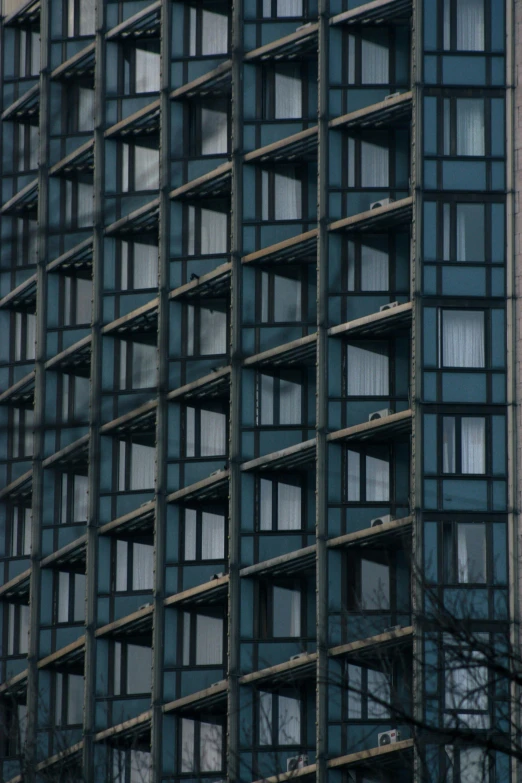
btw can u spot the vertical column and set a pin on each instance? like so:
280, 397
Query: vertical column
162, 409
89, 765
322, 400
39, 395
236, 244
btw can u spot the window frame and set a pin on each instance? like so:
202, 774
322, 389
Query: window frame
188, 649
211, 406
128, 570
123, 668
273, 720
268, 290
295, 377
19, 531
290, 480
266, 608
266, 90
196, 752
300, 177
124, 473
364, 452
366, 696
200, 6
354, 582
199, 512
66, 590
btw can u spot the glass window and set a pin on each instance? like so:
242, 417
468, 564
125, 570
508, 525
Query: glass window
210, 132
279, 719
466, 32
281, 297
136, 466
464, 444
470, 230
73, 498
138, 266
206, 432
69, 699
368, 476
204, 535
208, 29
282, 8
20, 532
17, 629
375, 584
70, 593
140, 168
138, 365
201, 746
466, 687
131, 766
463, 338
286, 612
24, 337
281, 194
369, 693
367, 369
279, 399
471, 553
368, 265
134, 566
132, 669
279, 505
287, 93
207, 329
202, 639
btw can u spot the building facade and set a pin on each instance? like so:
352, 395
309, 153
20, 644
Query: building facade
258, 384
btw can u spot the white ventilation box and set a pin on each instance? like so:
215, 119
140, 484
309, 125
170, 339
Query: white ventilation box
388, 737
380, 414
384, 202
218, 575
388, 306
297, 656
392, 95
381, 520
296, 762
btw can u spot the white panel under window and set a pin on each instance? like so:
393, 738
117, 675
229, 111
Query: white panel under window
463, 338
470, 126
377, 479
288, 94
288, 507
374, 62
142, 466
212, 536
211, 743
289, 728
287, 197
368, 370
470, 25
214, 34
473, 444
213, 433
214, 132
374, 165
147, 71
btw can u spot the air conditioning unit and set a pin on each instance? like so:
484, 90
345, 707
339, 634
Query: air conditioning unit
388, 737
303, 26
381, 520
218, 575
296, 762
388, 306
392, 628
145, 606
297, 656
382, 203
380, 414
392, 95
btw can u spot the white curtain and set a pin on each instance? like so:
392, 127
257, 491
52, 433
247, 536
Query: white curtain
354, 475
287, 299
374, 165
63, 597
214, 35
146, 168
351, 59
75, 699
209, 640
84, 213
470, 25
145, 265
289, 728
470, 232
142, 566
265, 504
190, 533
288, 507
379, 686
213, 433
287, 196
265, 718
23, 639
374, 62
289, 402
471, 550
212, 536
266, 391
214, 132
86, 18
214, 232
374, 269
368, 370
448, 445
147, 71
211, 745
142, 466
377, 479
463, 338
470, 126
143, 365
80, 498
83, 301
288, 92
213, 332
289, 8
140, 767
473, 444
190, 435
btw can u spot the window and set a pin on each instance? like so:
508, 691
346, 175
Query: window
139, 168
369, 161
134, 566
24, 343
207, 229
279, 399
75, 397
369, 693
279, 719
136, 470
368, 369
464, 232
281, 297
203, 638
206, 431
209, 133
207, 329
20, 532
464, 25
464, 127
24, 241
466, 701
281, 610
22, 432
79, 101
201, 746
78, 204
138, 364
208, 28
79, 18
281, 8
27, 53
470, 764
204, 537
373, 591
280, 505
132, 669
465, 553
141, 68
69, 699
368, 475
25, 147
464, 444
13, 718
281, 194
77, 301
73, 498
368, 265
131, 766
17, 629
369, 57
70, 597
462, 340
282, 92
138, 266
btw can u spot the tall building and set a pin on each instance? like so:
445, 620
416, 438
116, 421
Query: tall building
258, 389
